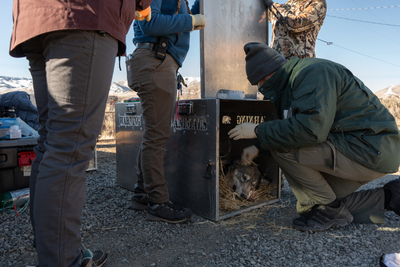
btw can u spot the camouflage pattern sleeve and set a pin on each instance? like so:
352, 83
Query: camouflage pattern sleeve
306, 15
295, 26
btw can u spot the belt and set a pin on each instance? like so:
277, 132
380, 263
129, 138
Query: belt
147, 45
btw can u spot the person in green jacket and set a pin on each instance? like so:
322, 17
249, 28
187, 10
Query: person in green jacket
333, 135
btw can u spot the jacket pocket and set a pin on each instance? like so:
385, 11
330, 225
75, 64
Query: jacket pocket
371, 96
304, 97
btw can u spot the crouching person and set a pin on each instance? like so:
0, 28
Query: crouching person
333, 135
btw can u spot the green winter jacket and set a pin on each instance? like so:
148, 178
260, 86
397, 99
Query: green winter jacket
316, 100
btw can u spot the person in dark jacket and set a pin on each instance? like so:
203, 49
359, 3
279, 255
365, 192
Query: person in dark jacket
332, 136
24, 108
161, 47
71, 47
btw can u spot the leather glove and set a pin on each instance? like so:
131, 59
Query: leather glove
199, 21
243, 131
144, 14
268, 3
249, 153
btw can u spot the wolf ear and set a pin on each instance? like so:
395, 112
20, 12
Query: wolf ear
237, 163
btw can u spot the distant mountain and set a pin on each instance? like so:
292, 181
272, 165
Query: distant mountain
118, 89
9, 84
389, 91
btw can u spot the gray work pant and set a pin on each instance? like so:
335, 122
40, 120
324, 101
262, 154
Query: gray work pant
156, 84
71, 72
319, 174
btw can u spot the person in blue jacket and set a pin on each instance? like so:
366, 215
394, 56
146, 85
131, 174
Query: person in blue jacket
161, 47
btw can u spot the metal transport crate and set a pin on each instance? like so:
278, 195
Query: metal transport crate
199, 142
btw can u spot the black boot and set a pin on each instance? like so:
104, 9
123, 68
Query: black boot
394, 188
139, 199
167, 212
323, 217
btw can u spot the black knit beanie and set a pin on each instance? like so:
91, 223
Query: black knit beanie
261, 60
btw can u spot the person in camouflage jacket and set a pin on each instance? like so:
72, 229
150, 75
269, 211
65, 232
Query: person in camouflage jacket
295, 26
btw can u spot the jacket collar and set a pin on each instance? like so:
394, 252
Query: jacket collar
272, 88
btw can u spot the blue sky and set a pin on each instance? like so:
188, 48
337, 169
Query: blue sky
363, 38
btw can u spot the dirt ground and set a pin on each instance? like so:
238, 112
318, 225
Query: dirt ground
130, 240
261, 237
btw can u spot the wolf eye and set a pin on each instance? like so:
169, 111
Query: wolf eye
245, 178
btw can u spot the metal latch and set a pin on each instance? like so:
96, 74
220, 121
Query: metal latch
130, 109
185, 108
209, 169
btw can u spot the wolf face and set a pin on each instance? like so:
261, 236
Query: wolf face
243, 179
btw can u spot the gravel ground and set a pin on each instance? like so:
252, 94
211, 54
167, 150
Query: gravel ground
261, 237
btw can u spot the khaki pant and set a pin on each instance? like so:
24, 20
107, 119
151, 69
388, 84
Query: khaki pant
156, 84
319, 174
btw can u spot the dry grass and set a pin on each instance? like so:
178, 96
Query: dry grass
108, 128
392, 103
255, 219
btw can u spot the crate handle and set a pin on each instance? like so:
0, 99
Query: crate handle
130, 109
209, 167
185, 108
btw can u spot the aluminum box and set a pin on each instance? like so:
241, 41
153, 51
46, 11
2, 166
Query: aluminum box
198, 143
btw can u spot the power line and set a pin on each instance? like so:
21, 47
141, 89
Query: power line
385, 24
331, 43
362, 8
373, 14
382, 21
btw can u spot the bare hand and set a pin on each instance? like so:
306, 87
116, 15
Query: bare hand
249, 153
